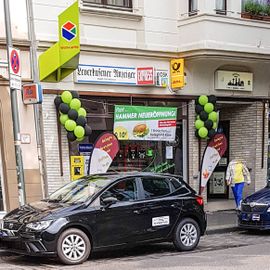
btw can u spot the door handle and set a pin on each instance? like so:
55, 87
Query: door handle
138, 212
174, 205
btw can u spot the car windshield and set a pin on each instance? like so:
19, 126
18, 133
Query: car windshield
80, 190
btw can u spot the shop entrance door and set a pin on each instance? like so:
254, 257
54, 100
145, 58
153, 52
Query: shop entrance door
217, 187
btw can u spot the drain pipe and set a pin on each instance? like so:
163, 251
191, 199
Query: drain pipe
37, 107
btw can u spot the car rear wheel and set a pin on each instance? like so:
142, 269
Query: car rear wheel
73, 247
186, 235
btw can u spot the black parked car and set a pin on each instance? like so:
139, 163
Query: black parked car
255, 210
105, 211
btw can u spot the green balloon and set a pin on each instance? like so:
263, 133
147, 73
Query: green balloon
79, 132
203, 132
81, 112
213, 116
203, 100
80, 139
66, 97
75, 104
63, 118
70, 125
214, 125
208, 107
199, 124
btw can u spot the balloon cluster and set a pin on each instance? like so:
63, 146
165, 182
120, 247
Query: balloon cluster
72, 115
206, 119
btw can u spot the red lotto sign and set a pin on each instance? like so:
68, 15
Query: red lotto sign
145, 76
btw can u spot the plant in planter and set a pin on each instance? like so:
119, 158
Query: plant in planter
253, 10
266, 12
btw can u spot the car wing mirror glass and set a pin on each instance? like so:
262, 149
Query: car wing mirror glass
109, 201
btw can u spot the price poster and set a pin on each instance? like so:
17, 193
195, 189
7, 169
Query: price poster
145, 123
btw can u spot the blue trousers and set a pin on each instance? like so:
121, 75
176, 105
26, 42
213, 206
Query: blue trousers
238, 192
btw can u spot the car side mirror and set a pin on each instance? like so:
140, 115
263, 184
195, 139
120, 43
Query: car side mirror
109, 201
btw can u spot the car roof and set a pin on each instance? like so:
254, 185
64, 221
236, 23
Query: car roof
118, 175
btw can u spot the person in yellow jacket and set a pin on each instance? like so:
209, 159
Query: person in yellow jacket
237, 175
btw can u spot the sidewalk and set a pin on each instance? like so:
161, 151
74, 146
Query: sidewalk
221, 216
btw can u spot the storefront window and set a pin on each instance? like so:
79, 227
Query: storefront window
146, 156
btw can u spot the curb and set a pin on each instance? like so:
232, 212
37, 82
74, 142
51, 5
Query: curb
222, 229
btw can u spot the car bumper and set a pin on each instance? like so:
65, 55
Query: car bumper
245, 221
24, 244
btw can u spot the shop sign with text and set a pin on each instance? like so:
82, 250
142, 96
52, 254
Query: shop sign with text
145, 123
145, 76
232, 80
105, 75
162, 77
177, 73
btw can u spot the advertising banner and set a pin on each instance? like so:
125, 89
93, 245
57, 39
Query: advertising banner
77, 167
105, 149
213, 153
145, 123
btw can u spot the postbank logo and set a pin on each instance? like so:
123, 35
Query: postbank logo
69, 31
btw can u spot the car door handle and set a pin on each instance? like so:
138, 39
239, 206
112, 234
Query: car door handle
140, 211
174, 205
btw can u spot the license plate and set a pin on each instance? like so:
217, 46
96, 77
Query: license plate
255, 217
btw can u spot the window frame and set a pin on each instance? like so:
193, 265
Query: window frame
167, 178
104, 4
191, 11
224, 11
138, 187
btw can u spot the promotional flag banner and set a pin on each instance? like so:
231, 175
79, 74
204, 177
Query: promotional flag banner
106, 148
212, 155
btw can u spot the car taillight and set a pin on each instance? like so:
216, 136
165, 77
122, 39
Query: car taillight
199, 200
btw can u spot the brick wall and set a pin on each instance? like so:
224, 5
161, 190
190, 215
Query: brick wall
246, 123
54, 178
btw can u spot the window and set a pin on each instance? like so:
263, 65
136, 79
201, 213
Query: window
125, 5
18, 18
193, 7
221, 7
156, 187
123, 191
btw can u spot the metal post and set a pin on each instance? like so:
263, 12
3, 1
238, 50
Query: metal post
37, 107
15, 114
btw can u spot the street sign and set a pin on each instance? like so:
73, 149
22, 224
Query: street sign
32, 93
15, 68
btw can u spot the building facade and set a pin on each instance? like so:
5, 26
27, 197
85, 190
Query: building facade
213, 38
9, 196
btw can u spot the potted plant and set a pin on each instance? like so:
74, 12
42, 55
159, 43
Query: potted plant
253, 10
266, 11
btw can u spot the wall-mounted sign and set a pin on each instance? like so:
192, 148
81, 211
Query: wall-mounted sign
77, 167
233, 80
105, 75
145, 76
145, 123
32, 93
162, 77
177, 73
15, 68
85, 148
25, 138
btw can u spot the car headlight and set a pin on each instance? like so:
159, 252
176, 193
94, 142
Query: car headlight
39, 226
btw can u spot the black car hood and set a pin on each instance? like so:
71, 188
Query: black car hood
261, 196
38, 211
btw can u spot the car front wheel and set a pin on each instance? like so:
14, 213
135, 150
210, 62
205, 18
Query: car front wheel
186, 235
73, 247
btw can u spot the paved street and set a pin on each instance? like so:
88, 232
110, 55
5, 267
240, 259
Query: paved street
237, 250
